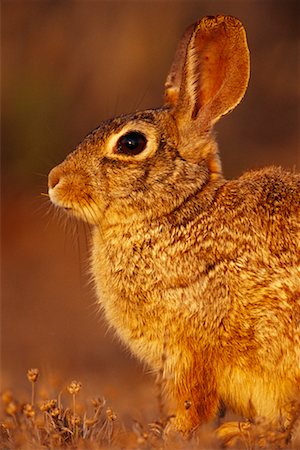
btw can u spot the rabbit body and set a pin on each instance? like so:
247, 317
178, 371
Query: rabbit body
215, 289
199, 276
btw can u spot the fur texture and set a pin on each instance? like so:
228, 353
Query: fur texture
187, 264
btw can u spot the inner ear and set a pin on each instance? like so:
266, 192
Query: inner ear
207, 61
217, 67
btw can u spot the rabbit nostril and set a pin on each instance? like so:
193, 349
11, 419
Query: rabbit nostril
53, 178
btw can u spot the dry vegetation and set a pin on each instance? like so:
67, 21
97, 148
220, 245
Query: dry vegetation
67, 421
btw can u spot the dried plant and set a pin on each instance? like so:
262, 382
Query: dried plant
32, 375
95, 425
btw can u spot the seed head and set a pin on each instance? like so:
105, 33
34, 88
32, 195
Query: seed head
74, 387
7, 397
98, 402
111, 415
75, 420
11, 408
48, 405
55, 412
28, 410
32, 375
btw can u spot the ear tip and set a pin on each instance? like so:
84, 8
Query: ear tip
230, 22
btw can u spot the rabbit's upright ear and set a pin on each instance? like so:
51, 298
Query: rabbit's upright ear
210, 73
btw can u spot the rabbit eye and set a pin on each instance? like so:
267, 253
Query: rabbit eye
131, 143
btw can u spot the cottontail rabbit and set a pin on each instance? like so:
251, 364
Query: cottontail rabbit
186, 264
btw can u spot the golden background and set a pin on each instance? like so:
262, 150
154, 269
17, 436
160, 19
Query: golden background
67, 65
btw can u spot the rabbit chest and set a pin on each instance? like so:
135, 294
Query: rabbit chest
159, 282
150, 282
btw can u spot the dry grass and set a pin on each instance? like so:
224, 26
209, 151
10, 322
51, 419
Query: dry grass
49, 423
69, 422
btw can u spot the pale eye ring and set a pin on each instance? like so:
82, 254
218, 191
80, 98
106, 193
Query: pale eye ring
131, 143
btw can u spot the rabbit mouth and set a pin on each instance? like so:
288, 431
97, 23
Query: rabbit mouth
58, 202
80, 208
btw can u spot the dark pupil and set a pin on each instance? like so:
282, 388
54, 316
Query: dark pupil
131, 143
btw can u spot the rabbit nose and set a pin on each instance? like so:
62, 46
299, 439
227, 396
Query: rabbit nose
53, 178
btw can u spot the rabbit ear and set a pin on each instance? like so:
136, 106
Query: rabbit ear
173, 81
210, 73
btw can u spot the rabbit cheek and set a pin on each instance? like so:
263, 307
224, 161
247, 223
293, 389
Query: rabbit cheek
121, 184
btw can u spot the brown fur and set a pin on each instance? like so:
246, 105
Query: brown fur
186, 263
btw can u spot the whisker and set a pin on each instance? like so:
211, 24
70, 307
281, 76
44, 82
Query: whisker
79, 251
94, 202
38, 174
117, 101
90, 208
140, 99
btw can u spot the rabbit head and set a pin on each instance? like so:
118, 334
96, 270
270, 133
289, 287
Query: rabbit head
147, 163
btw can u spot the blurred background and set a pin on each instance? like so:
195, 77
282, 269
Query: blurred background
67, 65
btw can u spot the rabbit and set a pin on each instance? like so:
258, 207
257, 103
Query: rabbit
198, 275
